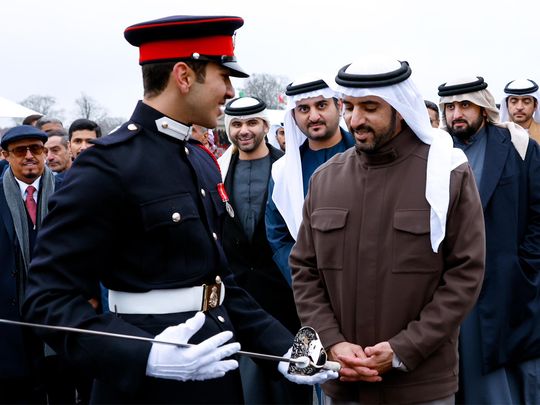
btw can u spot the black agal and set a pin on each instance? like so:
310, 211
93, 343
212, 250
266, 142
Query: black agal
375, 79
462, 88
244, 106
512, 88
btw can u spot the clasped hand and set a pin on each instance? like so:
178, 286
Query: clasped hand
198, 362
359, 364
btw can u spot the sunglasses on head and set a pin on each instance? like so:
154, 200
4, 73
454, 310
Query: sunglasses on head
20, 151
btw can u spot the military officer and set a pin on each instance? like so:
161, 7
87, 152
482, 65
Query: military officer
151, 234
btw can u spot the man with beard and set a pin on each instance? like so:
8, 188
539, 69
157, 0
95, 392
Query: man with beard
520, 105
313, 136
500, 339
26, 376
390, 254
245, 169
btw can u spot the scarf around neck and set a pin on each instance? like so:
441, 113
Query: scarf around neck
18, 211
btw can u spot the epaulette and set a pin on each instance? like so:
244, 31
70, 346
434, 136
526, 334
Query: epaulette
121, 134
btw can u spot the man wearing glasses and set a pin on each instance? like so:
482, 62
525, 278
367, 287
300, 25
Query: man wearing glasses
25, 189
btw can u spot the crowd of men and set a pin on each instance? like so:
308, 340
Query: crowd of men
406, 233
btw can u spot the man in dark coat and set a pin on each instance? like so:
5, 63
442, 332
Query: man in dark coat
25, 189
151, 234
245, 169
500, 339
313, 135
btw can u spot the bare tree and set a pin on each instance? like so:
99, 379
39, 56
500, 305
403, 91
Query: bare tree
92, 110
43, 104
107, 124
89, 108
268, 88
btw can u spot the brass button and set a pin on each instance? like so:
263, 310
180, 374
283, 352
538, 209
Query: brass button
176, 217
214, 235
203, 193
132, 127
221, 319
186, 150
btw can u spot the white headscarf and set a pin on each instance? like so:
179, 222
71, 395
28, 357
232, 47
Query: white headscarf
484, 99
520, 84
288, 194
225, 159
405, 98
272, 138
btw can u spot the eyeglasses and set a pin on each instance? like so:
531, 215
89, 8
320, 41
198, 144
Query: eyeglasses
20, 151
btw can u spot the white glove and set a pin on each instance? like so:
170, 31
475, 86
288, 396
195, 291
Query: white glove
319, 378
198, 362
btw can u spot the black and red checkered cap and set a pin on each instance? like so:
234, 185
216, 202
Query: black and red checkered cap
186, 37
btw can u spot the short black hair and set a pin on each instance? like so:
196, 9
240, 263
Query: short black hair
156, 75
32, 119
432, 106
84, 124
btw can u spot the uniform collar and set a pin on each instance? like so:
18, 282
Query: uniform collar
151, 118
173, 128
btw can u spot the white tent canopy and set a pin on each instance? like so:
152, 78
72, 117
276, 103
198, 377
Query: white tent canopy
10, 109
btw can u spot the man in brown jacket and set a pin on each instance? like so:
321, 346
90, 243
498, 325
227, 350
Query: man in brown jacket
390, 254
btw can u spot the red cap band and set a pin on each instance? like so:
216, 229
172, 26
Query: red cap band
221, 45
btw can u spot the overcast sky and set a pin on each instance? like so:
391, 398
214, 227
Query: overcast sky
62, 48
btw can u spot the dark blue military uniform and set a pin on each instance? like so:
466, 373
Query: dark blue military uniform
112, 222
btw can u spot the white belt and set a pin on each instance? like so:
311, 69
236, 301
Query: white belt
166, 301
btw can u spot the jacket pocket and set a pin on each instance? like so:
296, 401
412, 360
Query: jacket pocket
328, 226
412, 251
171, 210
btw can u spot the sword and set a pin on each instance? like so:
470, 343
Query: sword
300, 362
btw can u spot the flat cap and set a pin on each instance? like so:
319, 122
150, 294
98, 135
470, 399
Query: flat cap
462, 86
22, 132
186, 37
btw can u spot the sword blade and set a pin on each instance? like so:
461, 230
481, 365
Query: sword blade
140, 338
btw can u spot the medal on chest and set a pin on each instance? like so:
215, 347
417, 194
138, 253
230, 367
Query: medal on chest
225, 198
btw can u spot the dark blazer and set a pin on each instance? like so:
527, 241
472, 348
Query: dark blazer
14, 360
509, 303
113, 221
3, 166
252, 263
20, 349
